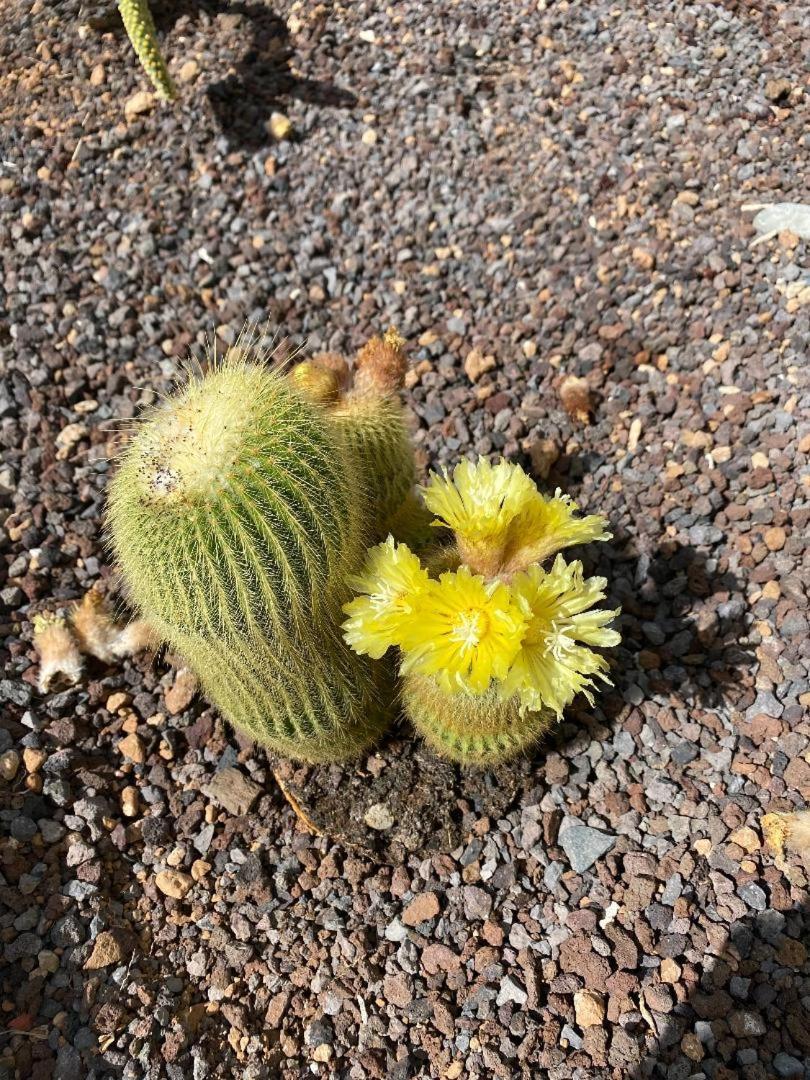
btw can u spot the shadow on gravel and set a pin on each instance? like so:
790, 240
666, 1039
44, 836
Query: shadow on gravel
244, 101
683, 622
745, 1011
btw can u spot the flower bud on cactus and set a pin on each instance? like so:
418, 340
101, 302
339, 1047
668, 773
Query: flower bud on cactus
140, 28
235, 520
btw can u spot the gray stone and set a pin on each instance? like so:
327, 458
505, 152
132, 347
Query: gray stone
584, 845
753, 895
790, 1068
511, 990
67, 931
26, 944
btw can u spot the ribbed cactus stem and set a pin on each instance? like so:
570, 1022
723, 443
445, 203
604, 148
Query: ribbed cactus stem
235, 520
140, 28
472, 729
377, 438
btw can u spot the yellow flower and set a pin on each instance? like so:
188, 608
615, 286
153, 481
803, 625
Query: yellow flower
466, 632
392, 581
546, 526
554, 663
501, 521
479, 504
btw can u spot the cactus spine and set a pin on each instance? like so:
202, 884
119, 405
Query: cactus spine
372, 424
140, 28
471, 729
236, 521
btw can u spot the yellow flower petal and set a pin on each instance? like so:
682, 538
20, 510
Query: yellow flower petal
392, 581
554, 663
546, 526
465, 632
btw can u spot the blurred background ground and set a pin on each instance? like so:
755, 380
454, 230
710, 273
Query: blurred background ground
526, 192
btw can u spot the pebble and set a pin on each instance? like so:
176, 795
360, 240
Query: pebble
423, 907
174, 883
589, 1008
583, 846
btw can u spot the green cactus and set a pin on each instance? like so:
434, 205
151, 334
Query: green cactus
376, 437
140, 28
236, 519
471, 729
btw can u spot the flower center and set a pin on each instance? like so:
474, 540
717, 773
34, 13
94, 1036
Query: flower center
470, 628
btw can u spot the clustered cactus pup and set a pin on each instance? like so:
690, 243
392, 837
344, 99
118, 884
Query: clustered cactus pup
493, 645
239, 511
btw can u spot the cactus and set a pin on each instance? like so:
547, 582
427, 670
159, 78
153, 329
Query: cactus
495, 647
372, 423
236, 519
471, 729
140, 28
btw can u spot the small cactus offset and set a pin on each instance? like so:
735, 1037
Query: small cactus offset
140, 28
237, 517
493, 646
371, 420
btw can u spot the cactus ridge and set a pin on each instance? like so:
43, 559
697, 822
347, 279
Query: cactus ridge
235, 519
376, 437
255, 504
471, 729
140, 28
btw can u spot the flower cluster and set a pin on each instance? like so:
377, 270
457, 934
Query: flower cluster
500, 620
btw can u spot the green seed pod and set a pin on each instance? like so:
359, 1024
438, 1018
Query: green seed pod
472, 729
140, 28
235, 520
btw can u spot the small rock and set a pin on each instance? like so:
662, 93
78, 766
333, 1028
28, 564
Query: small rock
131, 746
584, 845
543, 454
511, 990
589, 1008
97, 75
233, 790
138, 104
280, 126
378, 816
777, 89
788, 1067
174, 883
477, 364
34, 759
106, 950
183, 689
9, 764
422, 907
189, 71
129, 801
669, 971
775, 538
575, 395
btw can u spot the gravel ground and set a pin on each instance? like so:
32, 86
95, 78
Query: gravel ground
527, 192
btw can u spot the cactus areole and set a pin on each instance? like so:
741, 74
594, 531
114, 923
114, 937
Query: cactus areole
236, 517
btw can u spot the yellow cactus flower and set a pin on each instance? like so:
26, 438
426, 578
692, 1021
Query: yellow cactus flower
501, 521
465, 632
555, 663
479, 503
546, 526
392, 582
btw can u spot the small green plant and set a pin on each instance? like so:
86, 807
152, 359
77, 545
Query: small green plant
496, 646
370, 418
140, 28
239, 512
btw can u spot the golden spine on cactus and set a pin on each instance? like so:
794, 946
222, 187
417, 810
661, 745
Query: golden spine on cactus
234, 519
140, 28
371, 419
